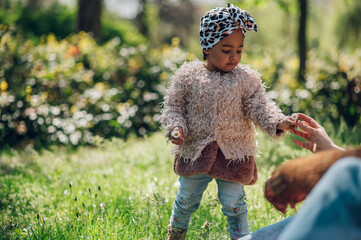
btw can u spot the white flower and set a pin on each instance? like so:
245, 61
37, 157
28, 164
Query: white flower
175, 134
294, 116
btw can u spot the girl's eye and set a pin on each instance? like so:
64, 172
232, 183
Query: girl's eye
239, 52
226, 52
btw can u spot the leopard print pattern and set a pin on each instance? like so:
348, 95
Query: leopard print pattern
218, 23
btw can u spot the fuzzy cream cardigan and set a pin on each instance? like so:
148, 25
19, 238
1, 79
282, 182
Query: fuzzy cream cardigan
221, 107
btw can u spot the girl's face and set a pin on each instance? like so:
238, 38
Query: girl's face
226, 54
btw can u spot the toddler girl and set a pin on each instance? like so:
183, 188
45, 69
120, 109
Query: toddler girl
210, 112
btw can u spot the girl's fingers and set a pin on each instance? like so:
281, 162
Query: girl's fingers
178, 141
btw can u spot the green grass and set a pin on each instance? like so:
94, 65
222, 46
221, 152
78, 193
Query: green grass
121, 190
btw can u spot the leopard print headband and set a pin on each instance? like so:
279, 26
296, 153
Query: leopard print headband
218, 23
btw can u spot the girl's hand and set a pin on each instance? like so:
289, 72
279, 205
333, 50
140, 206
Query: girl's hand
288, 124
176, 136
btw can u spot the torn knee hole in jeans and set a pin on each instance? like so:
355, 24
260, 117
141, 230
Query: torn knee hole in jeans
239, 208
188, 202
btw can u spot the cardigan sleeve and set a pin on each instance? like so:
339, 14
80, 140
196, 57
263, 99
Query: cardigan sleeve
260, 108
173, 111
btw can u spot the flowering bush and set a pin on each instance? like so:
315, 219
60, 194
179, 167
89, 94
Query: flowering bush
334, 81
332, 89
68, 91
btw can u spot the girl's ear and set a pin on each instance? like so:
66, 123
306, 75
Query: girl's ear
206, 52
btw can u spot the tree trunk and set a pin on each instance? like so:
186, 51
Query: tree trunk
89, 12
143, 25
33, 4
302, 40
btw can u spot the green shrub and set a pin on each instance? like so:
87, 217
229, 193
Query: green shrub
124, 29
57, 19
332, 89
334, 82
68, 91
60, 20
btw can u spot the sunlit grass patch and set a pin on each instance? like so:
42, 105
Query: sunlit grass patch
118, 190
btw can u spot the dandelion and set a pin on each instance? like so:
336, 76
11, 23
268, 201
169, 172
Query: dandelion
3, 86
28, 89
175, 41
163, 76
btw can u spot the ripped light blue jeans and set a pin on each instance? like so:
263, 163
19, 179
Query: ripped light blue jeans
230, 195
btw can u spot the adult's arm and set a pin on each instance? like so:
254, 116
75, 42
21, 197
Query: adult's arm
291, 182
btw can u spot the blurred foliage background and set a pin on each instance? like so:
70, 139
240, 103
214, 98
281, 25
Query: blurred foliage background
73, 70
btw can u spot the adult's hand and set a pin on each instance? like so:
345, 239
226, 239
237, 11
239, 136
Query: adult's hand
314, 133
